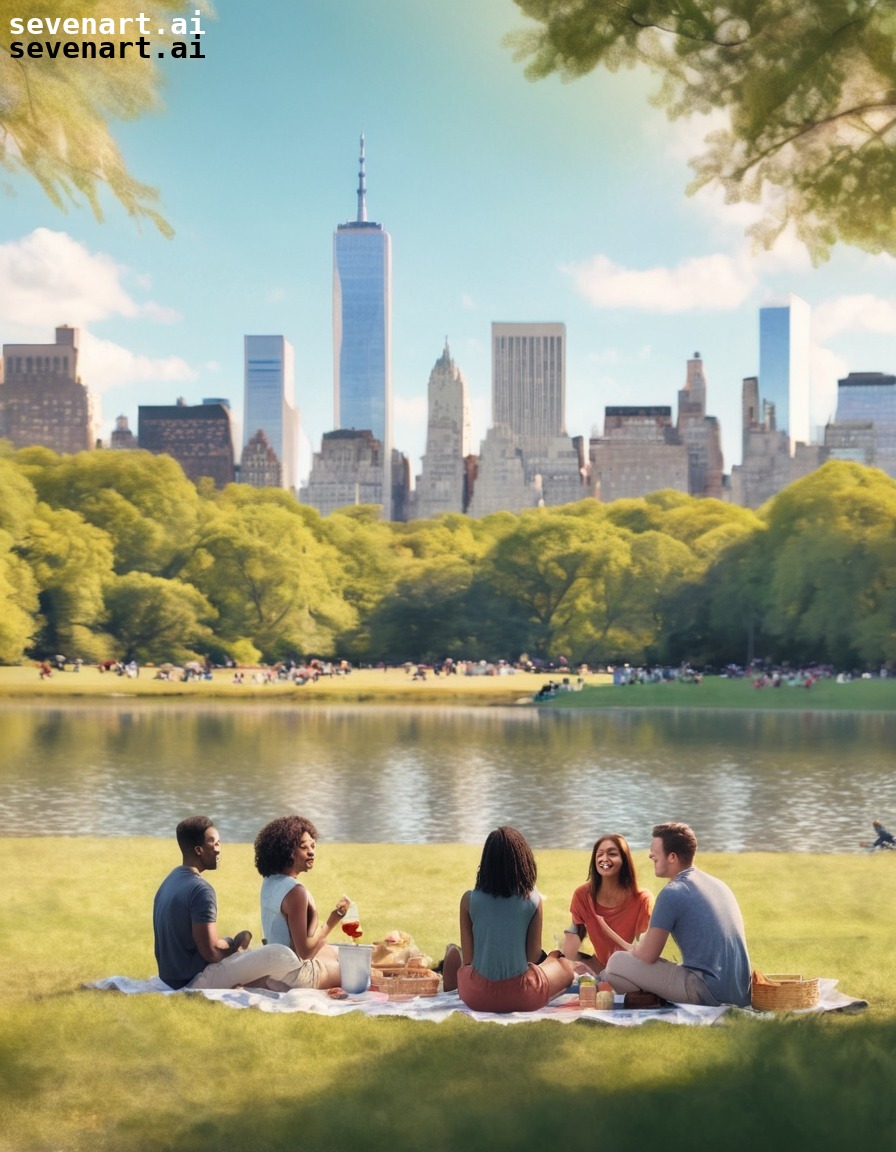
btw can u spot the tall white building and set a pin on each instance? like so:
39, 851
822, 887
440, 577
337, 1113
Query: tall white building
441, 484
784, 367
269, 401
529, 379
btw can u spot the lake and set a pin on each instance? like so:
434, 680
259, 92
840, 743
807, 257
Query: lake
804, 782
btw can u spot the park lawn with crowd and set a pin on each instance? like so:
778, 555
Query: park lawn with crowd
82, 1069
398, 686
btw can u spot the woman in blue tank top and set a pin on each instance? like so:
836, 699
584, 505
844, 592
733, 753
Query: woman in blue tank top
496, 968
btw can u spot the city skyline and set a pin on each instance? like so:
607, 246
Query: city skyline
506, 201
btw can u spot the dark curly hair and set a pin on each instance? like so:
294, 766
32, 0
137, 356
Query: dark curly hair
507, 867
276, 843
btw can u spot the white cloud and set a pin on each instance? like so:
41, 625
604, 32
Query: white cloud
716, 283
104, 366
467, 302
47, 279
860, 313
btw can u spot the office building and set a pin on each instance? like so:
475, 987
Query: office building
700, 434
529, 380
864, 428
362, 328
347, 470
441, 485
42, 399
640, 452
769, 463
784, 373
259, 466
197, 436
269, 402
122, 438
526, 453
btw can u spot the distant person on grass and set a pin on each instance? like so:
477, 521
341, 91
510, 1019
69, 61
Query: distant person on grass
284, 850
496, 968
189, 951
701, 915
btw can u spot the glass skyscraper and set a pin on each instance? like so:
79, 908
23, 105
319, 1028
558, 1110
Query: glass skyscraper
268, 401
784, 357
362, 325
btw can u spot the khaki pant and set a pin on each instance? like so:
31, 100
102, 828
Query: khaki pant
274, 964
670, 981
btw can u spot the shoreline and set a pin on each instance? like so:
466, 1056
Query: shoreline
394, 687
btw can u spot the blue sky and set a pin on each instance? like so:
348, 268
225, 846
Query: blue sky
506, 200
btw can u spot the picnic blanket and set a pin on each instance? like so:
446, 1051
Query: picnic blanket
564, 1009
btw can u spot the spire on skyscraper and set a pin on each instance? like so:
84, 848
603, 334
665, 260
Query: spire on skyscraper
362, 190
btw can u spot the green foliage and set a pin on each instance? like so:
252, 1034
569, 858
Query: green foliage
809, 89
156, 619
54, 115
107, 553
267, 575
72, 563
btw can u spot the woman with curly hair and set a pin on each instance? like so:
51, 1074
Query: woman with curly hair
610, 899
284, 850
496, 968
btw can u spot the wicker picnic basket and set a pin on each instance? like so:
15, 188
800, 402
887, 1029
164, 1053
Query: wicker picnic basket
783, 993
404, 982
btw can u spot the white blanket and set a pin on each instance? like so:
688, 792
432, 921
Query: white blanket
565, 1009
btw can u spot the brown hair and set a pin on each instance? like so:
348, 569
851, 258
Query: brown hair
507, 867
627, 876
677, 838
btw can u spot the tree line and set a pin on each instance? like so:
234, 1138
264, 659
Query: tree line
110, 554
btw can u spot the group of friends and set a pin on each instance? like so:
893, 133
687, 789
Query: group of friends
499, 965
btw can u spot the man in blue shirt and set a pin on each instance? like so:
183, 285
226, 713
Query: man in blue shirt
701, 915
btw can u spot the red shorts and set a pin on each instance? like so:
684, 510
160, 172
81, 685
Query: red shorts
524, 993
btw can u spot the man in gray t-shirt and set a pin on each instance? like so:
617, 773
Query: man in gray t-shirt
701, 915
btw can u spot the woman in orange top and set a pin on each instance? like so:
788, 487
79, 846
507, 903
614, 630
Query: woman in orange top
612, 896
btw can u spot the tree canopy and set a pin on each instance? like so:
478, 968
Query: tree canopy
809, 87
54, 114
110, 554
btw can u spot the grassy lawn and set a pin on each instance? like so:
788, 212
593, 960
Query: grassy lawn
371, 686
376, 686
718, 692
86, 1070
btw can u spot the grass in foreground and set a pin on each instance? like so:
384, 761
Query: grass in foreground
86, 1070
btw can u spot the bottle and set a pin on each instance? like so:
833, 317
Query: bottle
587, 992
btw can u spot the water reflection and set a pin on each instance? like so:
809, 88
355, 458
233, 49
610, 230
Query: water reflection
757, 781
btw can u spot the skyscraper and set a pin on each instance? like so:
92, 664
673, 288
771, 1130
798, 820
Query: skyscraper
268, 401
529, 379
784, 366
42, 399
442, 482
362, 325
